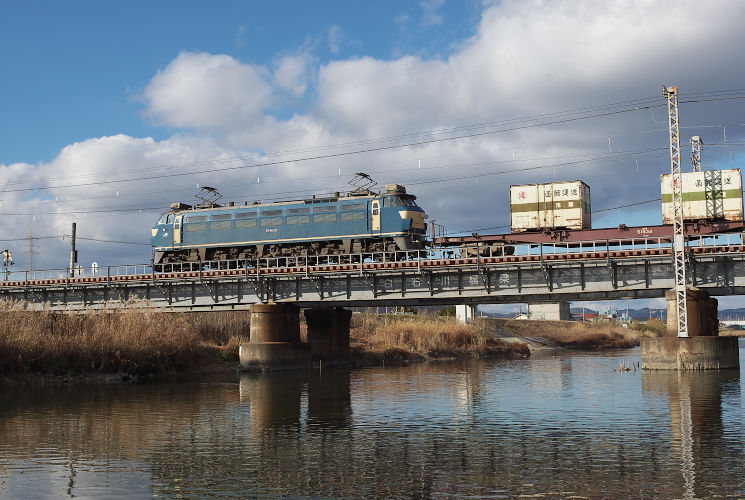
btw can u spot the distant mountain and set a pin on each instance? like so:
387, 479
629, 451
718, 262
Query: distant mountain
738, 313
642, 314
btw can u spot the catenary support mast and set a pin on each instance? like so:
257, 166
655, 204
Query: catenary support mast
679, 257
696, 146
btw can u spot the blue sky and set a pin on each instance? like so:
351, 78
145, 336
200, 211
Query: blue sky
74, 70
95, 96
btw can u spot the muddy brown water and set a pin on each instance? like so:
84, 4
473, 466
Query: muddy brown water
560, 425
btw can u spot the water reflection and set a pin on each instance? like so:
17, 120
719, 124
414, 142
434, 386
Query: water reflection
277, 400
696, 426
558, 426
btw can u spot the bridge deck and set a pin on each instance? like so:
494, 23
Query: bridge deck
566, 271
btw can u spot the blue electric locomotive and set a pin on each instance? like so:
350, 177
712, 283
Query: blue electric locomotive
361, 221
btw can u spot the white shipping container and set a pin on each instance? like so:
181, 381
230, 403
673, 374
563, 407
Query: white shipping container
710, 194
551, 205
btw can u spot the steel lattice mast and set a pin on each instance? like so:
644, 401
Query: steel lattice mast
696, 146
679, 255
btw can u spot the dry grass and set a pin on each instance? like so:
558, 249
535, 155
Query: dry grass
581, 335
133, 340
731, 332
404, 338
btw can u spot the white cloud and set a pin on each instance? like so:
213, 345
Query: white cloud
401, 20
239, 40
199, 91
431, 15
292, 73
334, 36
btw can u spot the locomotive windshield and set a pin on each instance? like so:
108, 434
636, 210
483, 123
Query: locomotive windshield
398, 201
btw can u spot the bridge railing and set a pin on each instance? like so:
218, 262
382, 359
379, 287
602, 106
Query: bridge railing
590, 248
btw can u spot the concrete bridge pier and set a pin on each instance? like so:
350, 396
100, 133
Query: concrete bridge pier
550, 311
328, 334
465, 313
703, 349
274, 343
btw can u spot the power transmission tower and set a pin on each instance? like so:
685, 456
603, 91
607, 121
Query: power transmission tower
679, 256
696, 146
31, 251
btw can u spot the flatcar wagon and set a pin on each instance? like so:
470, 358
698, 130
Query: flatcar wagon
358, 222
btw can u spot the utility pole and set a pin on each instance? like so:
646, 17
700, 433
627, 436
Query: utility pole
679, 256
696, 146
73, 252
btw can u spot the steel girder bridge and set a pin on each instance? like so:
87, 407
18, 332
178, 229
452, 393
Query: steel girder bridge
526, 272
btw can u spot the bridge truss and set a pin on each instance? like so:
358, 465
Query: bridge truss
576, 270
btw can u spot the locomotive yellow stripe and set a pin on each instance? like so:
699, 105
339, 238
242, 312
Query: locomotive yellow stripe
286, 240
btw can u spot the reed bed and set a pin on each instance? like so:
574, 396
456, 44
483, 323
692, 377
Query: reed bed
581, 335
118, 340
731, 332
402, 338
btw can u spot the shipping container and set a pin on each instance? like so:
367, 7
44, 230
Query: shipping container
707, 195
551, 205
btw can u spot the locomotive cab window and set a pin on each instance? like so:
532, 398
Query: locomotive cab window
397, 201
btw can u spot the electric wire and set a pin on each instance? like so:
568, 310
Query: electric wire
648, 100
342, 153
640, 154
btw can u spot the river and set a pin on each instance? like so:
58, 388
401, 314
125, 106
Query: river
565, 424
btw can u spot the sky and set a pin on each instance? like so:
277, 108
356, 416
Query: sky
109, 112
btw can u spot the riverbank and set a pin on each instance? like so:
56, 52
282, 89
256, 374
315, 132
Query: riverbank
125, 343
731, 332
133, 343
401, 339
578, 335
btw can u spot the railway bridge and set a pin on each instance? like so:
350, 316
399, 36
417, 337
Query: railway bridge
465, 271
534, 273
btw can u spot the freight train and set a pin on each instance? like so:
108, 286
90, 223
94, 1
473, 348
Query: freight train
365, 221
360, 221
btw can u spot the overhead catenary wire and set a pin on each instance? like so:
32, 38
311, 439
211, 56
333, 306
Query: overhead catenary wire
340, 154
616, 156
640, 101
401, 145
637, 105
279, 195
